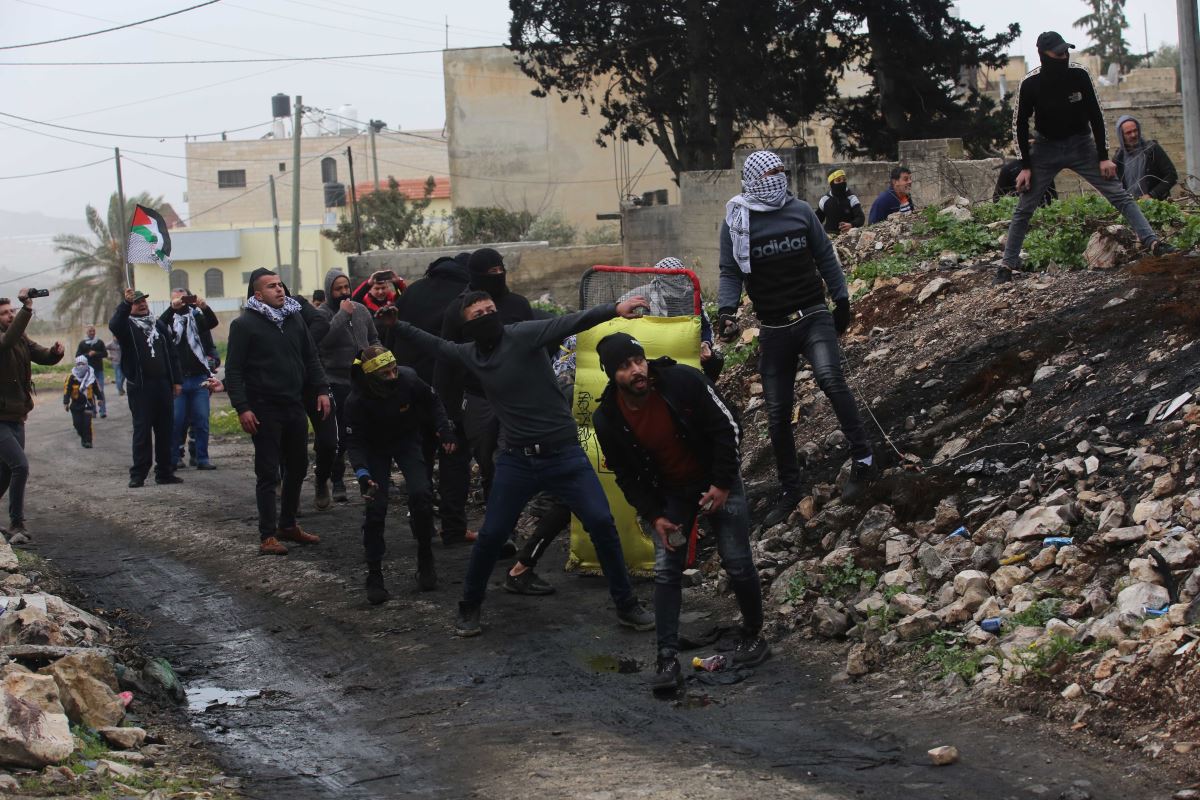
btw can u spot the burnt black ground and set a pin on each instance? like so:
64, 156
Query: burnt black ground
383, 702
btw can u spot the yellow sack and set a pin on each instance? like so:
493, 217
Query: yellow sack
677, 337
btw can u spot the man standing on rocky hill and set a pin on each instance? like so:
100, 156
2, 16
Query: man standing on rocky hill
773, 244
1069, 124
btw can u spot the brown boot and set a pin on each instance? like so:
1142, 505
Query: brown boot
271, 546
298, 535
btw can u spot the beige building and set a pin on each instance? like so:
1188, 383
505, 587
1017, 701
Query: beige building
518, 152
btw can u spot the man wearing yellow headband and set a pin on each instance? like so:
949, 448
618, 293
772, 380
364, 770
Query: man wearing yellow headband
839, 209
384, 415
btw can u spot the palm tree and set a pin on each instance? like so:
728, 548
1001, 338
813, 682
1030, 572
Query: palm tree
96, 274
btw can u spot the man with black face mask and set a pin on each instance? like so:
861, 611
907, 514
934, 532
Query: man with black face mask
462, 393
839, 209
539, 447
1060, 98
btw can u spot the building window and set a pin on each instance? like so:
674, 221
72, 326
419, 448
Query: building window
328, 170
214, 283
283, 166
179, 280
231, 178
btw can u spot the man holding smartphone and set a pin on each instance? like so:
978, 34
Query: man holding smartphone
674, 445
191, 321
379, 290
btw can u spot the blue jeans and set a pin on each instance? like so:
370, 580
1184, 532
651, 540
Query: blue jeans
118, 378
101, 406
567, 474
1047, 158
731, 525
815, 338
191, 411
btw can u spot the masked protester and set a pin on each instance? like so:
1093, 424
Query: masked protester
79, 398
839, 209
96, 351
1143, 167
1060, 98
385, 412
539, 446
462, 391
153, 380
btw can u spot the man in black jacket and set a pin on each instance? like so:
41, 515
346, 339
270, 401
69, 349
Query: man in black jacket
675, 448
1143, 167
272, 362
154, 379
462, 392
839, 209
1060, 98
95, 350
191, 324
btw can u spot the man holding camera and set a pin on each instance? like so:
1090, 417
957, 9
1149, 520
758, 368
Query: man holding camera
154, 379
379, 290
93, 348
16, 401
191, 321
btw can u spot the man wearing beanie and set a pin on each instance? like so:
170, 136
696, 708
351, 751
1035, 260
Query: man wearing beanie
462, 393
1060, 98
773, 245
272, 362
539, 447
839, 208
675, 448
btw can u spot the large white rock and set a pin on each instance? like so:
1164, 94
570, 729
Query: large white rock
87, 686
1035, 523
31, 737
970, 579
1134, 598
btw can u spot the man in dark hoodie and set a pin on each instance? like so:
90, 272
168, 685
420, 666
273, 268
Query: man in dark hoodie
351, 330
272, 362
1143, 167
385, 413
459, 389
1061, 100
839, 209
154, 379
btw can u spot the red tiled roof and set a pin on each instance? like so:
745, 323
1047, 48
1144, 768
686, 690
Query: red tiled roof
412, 188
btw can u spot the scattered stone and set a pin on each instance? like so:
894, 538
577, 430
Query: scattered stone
917, 625
933, 288
31, 737
970, 580
944, 755
87, 686
1119, 537
123, 738
829, 622
1132, 599
1072, 692
907, 604
950, 449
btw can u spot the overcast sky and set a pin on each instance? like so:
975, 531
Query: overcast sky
404, 91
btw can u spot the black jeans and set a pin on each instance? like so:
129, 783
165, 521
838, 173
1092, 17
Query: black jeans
408, 458
814, 338
341, 393
82, 421
483, 432
454, 482
14, 468
152, 406
281, 442
325, 438
552, 523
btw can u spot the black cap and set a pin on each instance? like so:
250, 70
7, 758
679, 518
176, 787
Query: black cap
615, 348
1052, 42
484, 259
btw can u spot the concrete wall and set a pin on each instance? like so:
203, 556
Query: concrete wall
650, 233
534, 268
515, 151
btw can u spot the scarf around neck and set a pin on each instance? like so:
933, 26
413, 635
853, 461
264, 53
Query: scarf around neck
148, 328
185, 328
277, 315
759, 193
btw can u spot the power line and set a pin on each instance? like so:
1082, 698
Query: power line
288, 59
131, 135
109, 30
54, 171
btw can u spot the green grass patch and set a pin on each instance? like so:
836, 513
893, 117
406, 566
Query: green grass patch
797, 587
1038, 614
889, 266
223, 422
839, 581
1043, 659
945, 652
741, 352
967, 238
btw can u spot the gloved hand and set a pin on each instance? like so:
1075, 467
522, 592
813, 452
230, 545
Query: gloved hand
727, 324
842, 315
366, 486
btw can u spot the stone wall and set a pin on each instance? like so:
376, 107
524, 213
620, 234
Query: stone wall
650, 233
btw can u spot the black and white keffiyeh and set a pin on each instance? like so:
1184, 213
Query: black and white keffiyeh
146, 325
760, 192
186, 330
83, 373
277, 315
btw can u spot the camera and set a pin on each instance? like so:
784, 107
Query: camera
188, 299
38, 293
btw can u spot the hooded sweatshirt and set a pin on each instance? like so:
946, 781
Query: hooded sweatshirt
1061, 98
424, 305
1144, 168
349, 334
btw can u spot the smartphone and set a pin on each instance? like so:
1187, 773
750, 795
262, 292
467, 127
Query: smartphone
188, 299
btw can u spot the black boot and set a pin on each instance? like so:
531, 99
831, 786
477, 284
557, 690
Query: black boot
376, 592
426, 574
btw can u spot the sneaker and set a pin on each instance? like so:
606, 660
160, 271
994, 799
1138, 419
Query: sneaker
377, 593
137, 483
636, 616
207, 465
87, 445
751, 651
783, 509
322, 500
298, 535
339, 492
19, 534
527, 583
467, 621
168, 479
862, 475
426, 574
1160, 248
1003, 276
271, 546
667, 674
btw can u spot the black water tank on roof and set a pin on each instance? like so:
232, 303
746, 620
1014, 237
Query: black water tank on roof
281, 106
335, 195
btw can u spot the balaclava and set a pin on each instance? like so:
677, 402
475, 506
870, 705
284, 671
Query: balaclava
480, 262
485, 331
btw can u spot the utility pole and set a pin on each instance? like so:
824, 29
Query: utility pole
123, 236
296, 193
275, 224
373, 126
354, 202
1189, 81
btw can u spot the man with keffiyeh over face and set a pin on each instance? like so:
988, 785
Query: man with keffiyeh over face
272, 360
774, 246
79, 398
153, 380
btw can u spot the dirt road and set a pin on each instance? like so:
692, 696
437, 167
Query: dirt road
362, 702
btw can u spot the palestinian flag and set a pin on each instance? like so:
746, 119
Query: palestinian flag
149, 242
